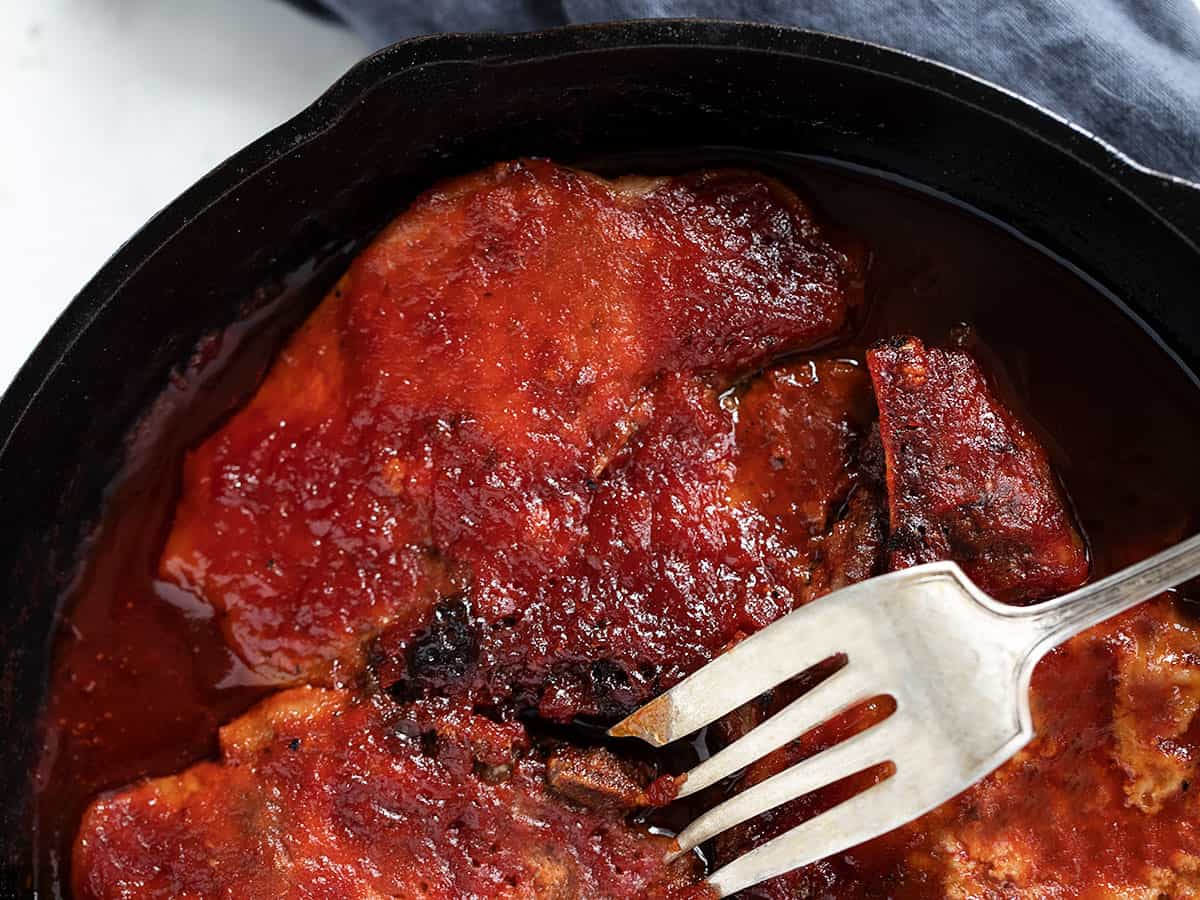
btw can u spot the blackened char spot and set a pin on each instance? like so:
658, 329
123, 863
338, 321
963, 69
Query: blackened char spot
611, 688
443, 653
608, 677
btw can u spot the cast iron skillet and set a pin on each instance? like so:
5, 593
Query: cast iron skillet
292, 207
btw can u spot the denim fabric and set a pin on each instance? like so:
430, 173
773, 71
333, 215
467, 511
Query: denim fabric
1125, 70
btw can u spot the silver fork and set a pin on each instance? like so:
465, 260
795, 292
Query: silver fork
956, 662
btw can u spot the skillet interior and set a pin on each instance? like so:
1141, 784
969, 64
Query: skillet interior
276, 223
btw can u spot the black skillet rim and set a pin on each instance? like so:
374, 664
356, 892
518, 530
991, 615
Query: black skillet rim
1170, 199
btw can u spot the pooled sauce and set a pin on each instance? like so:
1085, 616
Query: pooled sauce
143, 676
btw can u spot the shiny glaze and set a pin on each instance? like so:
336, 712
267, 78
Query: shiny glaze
966, 480
323, 791
1125, 465
514, 397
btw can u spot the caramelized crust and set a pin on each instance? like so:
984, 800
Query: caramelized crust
1157, 697
1099, 805
316, 794
1102, 803
715, 519
966, 480
511, 465
597, 779
451, 406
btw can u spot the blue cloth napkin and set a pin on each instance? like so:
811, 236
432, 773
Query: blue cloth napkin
1126, 70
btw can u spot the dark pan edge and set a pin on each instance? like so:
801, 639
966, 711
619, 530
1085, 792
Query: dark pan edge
1171, 199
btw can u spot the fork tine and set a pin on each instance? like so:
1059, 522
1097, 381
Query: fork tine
798, 641
843, 689
865, 749
875, 811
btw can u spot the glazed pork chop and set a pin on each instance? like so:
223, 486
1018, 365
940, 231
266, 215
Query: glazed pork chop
966, 481
316, 787
535, 459
321, 793
715, 519
1102, 803
511, 444
444, 421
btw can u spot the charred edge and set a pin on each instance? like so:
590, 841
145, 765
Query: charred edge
444, 653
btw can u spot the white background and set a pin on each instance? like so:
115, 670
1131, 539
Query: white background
110, 108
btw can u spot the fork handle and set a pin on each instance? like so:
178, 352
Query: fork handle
1062, 619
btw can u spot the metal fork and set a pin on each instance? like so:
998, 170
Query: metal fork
956, 662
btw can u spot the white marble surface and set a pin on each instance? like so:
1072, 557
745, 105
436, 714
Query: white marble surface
113, 107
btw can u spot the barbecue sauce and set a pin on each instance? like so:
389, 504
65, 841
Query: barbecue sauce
142, 676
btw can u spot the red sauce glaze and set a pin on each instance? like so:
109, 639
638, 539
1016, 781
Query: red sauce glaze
443, 419
317, 794
713, 520
1100, 805
808, 460
966, 480
1100, 802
